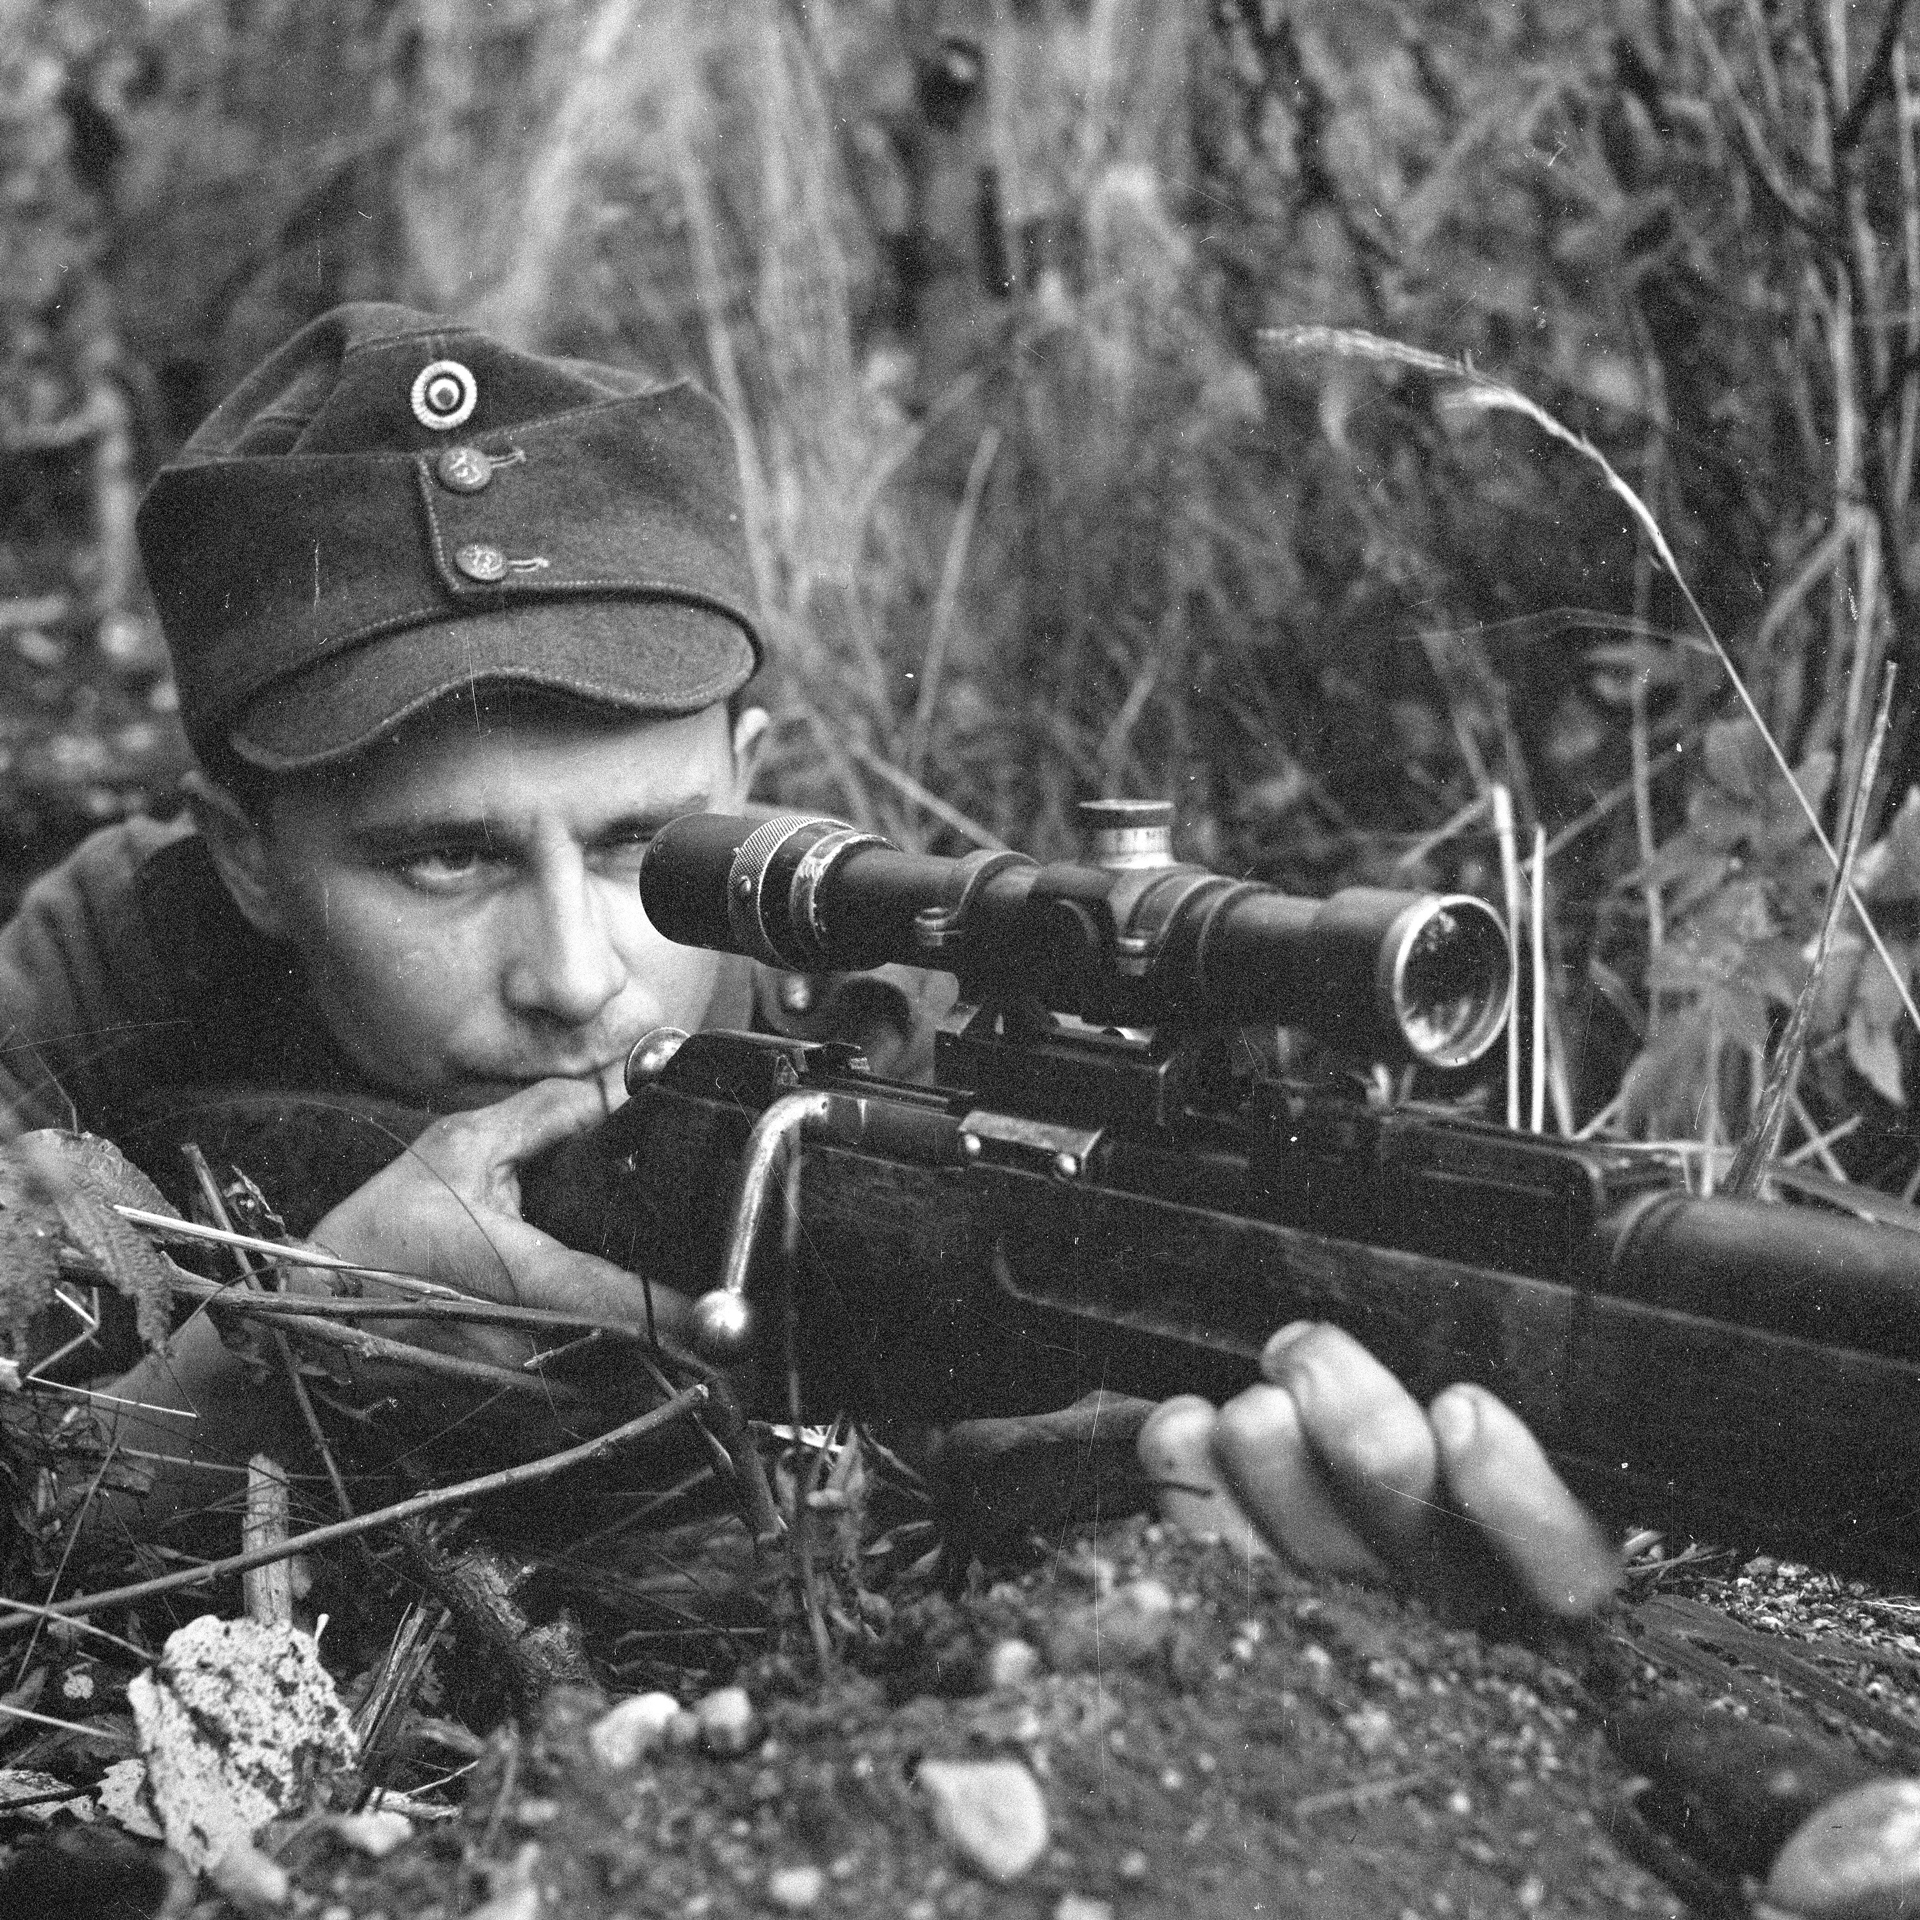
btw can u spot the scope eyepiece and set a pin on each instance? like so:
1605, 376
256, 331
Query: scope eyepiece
1386, 975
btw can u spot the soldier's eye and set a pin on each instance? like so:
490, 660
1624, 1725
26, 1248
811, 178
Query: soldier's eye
437, 869
622, 855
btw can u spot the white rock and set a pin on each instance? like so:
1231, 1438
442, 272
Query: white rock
1856, 1858
992, 1812
515, 1893
1371, 1729
1011, 1663
376, 1834
1146, 1596
628, 1732
1081, 1906
795, 1889
249, 1879
239, 1724
726, 1722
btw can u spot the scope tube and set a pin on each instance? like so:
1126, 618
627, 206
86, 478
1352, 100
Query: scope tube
1391, 976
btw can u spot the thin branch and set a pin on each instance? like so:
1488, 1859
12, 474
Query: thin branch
373, 1346
527, 1474
169, 1226
278, 1306
216, 1203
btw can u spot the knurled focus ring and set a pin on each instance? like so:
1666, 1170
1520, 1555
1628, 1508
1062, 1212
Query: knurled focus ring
746, 884
804, 927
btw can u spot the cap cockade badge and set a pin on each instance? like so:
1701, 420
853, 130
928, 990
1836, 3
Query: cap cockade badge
444, 394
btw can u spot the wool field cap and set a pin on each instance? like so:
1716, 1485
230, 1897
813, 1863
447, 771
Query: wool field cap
394, 507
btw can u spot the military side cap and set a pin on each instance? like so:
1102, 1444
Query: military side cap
394, 507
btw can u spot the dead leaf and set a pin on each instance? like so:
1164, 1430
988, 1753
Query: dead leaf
71, 1182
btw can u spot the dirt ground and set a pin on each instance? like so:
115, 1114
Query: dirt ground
1274, 1745
1270, 1744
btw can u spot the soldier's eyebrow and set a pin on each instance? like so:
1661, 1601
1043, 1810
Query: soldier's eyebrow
414, 833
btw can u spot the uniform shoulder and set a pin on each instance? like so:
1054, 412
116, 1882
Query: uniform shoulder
108, 863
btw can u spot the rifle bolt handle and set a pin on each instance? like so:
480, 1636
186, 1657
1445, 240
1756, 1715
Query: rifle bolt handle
722, 1325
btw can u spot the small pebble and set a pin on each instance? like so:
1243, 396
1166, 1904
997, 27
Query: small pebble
1081, 1906
991, 1812
1131, 1625
631, 1730
1370, 1729
1856, 1858
795, 1889
250, 1879
726, 1722
375, 1834
1011, 1663
1133, 1865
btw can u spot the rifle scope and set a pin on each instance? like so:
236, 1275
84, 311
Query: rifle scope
1389, 976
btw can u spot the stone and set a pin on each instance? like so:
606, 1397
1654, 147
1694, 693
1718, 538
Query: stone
795, 1889
631, 1729
376, 1834
1130, 1625
1011, 1663
239, 1724
1856, 1858
1081, 1906
1370, 1729
726, 1722
991, 1812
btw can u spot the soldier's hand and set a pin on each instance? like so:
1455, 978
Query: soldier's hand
1331, 1461
448, 1210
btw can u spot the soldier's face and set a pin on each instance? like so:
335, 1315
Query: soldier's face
466, 896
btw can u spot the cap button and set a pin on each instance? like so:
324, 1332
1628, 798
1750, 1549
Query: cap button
463, 470
481, 562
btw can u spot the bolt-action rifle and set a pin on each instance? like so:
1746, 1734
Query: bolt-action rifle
1103, 1186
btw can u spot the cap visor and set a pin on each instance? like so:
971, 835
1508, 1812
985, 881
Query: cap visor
643, 656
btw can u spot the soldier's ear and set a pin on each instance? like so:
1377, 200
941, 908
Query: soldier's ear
237, 839
750, 730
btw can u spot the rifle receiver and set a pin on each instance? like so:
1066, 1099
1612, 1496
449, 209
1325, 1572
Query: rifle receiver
1386, 975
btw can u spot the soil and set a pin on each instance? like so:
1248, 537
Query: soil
1268, 1744
1284, 1745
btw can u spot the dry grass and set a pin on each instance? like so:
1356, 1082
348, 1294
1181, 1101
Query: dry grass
1082, 534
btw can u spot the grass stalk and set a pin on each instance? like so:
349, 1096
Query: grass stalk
1478, 390
1537, 932
1510, 892
1762, 1139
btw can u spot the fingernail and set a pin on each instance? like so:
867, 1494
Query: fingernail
1276, 1348
1455, 1419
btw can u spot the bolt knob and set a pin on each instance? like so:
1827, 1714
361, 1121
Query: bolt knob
722, 1326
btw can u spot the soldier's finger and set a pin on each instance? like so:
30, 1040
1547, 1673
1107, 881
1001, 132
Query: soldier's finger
1261, 1450
1367, 1432
1496, 1474
1176, 1452
543, 1272
513, 1129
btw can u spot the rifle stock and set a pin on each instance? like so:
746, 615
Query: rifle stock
1743, 1371
1073, 1206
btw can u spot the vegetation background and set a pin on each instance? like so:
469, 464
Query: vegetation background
1042, 508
